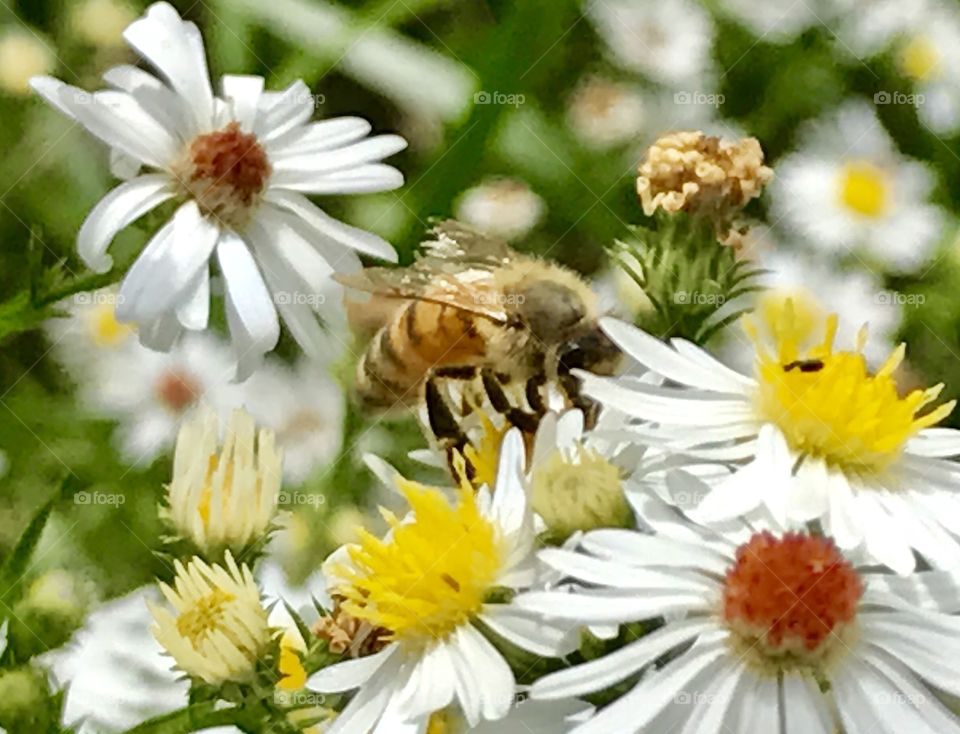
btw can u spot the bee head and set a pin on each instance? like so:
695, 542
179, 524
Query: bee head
592, 351
550, 310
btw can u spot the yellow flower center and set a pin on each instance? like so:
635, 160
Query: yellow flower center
919, 58
430, 575
444, 722
484, 455
864, 189
582, 491
106, 330
290, 666
827, 404
204, 618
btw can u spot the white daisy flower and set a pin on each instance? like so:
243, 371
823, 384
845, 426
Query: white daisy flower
813, 436
781, 634
848, 189
89, 332
502, 207
217, 628
525, 717
928, 53
149, 393
223, 494
304, 406
240, 165
426, 586
777, 21
858, 294
667, 42
604, 113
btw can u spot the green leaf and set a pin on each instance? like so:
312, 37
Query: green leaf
17, 563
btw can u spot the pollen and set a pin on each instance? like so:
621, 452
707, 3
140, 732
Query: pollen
828, 404
791, 600
483, 455
431, 575
226, 172
106, 330
865, 189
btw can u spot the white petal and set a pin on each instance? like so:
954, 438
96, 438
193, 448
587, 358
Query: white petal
293, 107
657, 356
319, 136
369, 150
157, 99
167, 266
251, 314
349, 674
509, 509
491, 675
653, 550
936, 442
329, 228
368, 179
530, 632
805, 706
843, 523
600, 608
243, 92
882, 537
620, 664
160, 334
922, 641
806, 491
175, 48
272, 229
931, 590
194, 313
125, 204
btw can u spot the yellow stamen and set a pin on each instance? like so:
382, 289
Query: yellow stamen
431, 575
865, 189
919, 58
204, 617
827, 404
485, 454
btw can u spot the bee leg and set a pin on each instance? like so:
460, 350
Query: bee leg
445, 428
571, 388
461, 373
526, 422
534, 394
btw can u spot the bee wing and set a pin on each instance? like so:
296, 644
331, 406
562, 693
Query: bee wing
467, 290
456, 245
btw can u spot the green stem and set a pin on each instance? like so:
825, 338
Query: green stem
192, 718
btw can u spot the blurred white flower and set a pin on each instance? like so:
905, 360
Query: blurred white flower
101, 22
215, 627
604, 113
773, 21
304, 406
525, 717
241, 165
867, 27
223, 494
24, 54
666, 41
89, 332
847, 189
149, 393
503, 207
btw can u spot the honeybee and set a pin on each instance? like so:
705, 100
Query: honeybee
472, 309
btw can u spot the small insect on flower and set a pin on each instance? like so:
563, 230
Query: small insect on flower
218, 628
474, 312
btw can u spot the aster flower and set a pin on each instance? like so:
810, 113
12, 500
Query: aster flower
779, 634
525, 717
218, 629
502, 207
149, 393
425, 586
240, 166
667, 42
223, 495
813, 436
847, 189
605, 113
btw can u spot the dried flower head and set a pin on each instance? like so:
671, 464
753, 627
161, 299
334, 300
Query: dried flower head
702, 174
346, 634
